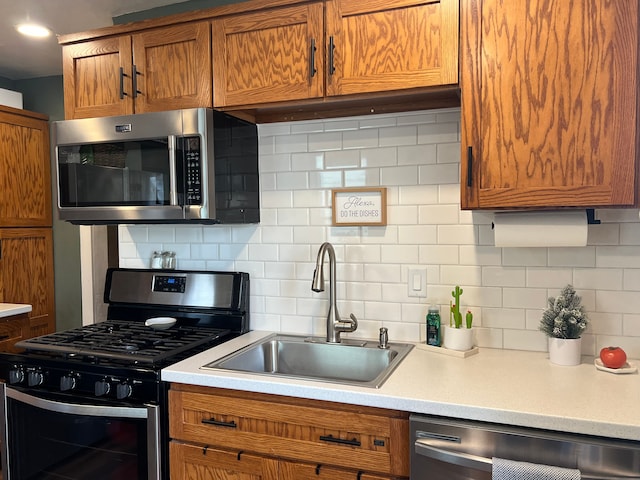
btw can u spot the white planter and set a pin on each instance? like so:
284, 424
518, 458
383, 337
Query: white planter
565, 351
460, 339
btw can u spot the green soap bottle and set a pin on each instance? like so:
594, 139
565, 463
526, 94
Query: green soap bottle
433, 326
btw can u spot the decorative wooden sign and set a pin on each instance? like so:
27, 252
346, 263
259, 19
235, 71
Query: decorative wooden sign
359, 206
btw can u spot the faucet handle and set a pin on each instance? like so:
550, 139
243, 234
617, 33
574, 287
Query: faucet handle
384, 338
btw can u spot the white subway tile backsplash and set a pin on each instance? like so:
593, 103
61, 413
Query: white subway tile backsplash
291, 144
394, 136
379, 157
554, 278
406, 175
416, 156
360, 139
503, 276
325, 179
438, 174
322, 142
438, 214
292, 181
438, 132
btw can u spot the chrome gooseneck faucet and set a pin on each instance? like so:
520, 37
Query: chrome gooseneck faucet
335, 325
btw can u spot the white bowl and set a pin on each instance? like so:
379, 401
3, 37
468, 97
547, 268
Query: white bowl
160, 323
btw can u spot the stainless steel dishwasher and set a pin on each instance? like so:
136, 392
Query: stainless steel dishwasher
448, 449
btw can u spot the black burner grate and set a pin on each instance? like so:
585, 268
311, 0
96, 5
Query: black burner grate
130, 341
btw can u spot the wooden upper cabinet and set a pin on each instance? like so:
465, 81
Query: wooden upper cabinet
94, 78
267, 56
25, 172
549, 103
363, 46
158, 69
382, 45
174, 68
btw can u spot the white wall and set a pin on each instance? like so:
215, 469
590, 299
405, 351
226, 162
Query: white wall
416, 156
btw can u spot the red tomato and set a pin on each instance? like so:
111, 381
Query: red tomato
613, 357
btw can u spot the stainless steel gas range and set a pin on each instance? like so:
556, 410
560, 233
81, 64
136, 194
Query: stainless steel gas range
88, 403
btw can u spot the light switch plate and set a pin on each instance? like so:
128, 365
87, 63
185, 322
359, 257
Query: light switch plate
417, 282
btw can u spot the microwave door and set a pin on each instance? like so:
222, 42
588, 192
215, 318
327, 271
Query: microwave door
119, 181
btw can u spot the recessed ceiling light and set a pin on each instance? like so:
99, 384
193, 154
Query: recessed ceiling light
33, 30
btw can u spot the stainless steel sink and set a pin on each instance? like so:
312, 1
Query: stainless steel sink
360, 363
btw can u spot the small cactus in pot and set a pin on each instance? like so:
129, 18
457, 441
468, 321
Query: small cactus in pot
455, 316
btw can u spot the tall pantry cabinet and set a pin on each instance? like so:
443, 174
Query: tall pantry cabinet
26, 241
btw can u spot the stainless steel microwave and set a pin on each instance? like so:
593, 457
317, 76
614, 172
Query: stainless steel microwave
192, 165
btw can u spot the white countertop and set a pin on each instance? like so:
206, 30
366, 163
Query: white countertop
503, 386
9, 309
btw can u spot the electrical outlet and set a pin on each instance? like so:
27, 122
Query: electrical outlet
417, 282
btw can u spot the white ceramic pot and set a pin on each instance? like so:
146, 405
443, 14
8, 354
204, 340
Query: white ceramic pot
565, 351
458, 338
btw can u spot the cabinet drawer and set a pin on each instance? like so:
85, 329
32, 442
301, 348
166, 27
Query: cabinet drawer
327, 433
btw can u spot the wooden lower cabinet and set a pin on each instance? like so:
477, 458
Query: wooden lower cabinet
13, 329
227, 434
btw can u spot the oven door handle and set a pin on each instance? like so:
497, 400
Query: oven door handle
475, 462
74, 409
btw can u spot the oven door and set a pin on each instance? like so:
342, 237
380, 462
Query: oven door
44, 439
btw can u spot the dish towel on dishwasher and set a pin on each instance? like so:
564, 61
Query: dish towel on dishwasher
510, 470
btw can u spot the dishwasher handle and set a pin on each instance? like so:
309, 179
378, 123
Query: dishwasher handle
422, 447
455, 458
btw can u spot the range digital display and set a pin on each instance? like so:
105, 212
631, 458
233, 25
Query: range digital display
169, 283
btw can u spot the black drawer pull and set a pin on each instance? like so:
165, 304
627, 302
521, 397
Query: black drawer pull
213, 421
332, 439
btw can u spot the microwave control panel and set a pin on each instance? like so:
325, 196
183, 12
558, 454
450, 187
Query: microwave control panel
193, 171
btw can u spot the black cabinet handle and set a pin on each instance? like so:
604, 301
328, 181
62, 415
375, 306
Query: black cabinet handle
122, 75
213, 421
134, 79
469, 166
332, 439
312, 59
332, 47
0, 249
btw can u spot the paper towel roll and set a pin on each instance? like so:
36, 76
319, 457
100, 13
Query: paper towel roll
540, 229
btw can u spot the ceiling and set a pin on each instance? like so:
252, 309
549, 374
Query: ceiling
23, 58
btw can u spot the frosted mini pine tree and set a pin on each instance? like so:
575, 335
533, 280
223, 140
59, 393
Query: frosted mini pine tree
565, 316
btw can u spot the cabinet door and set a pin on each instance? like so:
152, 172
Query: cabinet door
26, 274
25, 171
97, 78
382, 45
173, 68
190, 462
267, 56
549, 103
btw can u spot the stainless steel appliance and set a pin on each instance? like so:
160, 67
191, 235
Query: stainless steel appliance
88, 403
182, 165
463, 450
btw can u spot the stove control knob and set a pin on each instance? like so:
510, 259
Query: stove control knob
35, 378
102, 388
16, 375
123, 390
68, 382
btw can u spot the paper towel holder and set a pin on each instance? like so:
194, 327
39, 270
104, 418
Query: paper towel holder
591, 217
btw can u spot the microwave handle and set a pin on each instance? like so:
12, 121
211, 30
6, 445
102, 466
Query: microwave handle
173, 191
